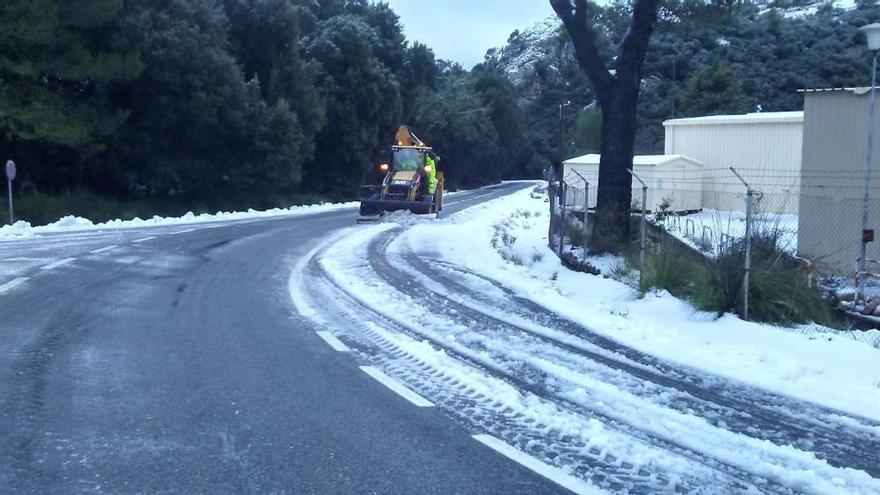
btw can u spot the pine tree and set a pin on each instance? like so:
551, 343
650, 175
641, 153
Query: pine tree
713, 91
57, 63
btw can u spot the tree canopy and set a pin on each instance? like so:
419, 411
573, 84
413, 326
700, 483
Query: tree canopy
254, 103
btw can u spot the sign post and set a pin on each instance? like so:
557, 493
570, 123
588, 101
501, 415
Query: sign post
10, 176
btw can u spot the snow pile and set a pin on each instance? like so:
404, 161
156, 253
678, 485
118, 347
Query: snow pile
24, 230
814, 364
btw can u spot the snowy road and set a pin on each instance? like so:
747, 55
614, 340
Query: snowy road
309, 355
170, 360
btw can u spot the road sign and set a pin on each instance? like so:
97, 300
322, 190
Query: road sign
10, 176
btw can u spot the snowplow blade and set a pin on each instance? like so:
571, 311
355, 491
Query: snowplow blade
376, 207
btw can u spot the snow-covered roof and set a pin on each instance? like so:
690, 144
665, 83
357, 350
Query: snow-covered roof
858, 91
749, 118
638, 160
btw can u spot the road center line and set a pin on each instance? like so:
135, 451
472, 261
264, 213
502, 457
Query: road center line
103, 249
553, 474
396, 387
59, 263
8, 286
145, 239
333, 342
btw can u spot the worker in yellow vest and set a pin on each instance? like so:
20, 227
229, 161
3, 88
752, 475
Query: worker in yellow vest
431, 172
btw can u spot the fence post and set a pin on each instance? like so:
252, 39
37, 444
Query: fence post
750, 194
586, 213
644, 233
586, 218
562, 221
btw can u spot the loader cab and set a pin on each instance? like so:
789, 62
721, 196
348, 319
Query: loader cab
407, 182
407, 159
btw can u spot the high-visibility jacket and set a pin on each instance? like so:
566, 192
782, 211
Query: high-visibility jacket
431, 171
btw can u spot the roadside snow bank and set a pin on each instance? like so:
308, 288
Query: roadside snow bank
24, 230
506, 239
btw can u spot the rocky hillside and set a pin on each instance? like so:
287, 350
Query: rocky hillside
704, 60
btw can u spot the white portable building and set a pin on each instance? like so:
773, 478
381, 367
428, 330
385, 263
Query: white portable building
675, 180
765, 149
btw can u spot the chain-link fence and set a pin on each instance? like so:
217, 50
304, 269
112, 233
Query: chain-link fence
814, 220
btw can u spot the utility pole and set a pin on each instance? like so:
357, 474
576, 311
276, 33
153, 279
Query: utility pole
872, 32
560, 176
644, 225
562, 107
674, 87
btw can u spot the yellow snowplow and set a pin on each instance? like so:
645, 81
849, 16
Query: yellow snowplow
409, 180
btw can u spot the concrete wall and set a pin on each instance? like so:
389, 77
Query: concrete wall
766, 153
834, 151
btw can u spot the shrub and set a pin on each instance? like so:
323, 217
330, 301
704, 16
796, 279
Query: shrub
621, 270
778, 289
575, 234
572, 262
670, 270
703, 243
606, 236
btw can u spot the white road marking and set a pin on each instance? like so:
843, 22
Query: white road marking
8, 286
333, 342
59, 263
183, 231
470, 199
396, 387
103, 249
145, 239
553, 474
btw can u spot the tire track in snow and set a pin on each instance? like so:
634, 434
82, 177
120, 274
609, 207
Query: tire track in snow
592, 463
841, 439
752, 422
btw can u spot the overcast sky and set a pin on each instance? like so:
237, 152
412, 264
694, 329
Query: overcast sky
462, 30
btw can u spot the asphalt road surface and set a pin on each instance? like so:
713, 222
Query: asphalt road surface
171, 360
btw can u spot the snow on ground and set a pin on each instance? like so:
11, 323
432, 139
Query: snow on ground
24, 230
709, 230
809, 363
659, 324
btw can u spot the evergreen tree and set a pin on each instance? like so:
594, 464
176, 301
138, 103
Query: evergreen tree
266, 38
459, 126
198, 128
420, 75
588, 131
57, 63
713, 91
363, 105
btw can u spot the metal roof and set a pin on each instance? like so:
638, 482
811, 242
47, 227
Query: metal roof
858, 91
749, 118
643, 160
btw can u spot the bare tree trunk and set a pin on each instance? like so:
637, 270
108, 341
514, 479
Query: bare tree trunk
615, 183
